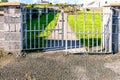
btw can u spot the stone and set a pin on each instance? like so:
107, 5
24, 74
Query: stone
1, 35
12, 28
17, 19
1, 43
1, 18
12, 36
6, 27
18, 27
1, 26
12, 46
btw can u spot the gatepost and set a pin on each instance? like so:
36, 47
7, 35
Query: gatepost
12, 26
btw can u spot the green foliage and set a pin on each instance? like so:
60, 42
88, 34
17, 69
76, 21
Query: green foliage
4, 0
38, 5
82, 5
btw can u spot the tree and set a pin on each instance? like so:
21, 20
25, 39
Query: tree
82, 5
4, 0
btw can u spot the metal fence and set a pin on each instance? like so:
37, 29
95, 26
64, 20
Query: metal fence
78, 31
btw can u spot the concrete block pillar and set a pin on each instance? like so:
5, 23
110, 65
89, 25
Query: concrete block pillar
107, 29
115, 27
1, 31
12, 28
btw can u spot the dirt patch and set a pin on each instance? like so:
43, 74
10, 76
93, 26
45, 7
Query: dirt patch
4, 60
58, 66
114, 66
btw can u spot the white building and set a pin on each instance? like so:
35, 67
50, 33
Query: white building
43, 2
98, 3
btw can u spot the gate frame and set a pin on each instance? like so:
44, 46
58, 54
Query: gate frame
66, 41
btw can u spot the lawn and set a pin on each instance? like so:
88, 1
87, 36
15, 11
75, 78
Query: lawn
41, 23
85, 25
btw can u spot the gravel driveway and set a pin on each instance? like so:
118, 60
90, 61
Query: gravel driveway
58, 66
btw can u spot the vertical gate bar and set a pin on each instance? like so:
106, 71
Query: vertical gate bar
101, 31
88, 39
54, 27
58, 35
79, 37
51, 36
92, 29
26, 37
80, 43
66, 33
84, 25
21, 37
103, 36
58, 30
26, 30
43, 36
97, 39
55, 37
62, 28
30, 28
75, 25
105, 41
34, 36
38, 30
47, 27
71, 40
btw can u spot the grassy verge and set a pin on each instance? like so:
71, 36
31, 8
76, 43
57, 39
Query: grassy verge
86, 24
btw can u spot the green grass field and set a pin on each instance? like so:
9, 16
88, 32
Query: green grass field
86, 23
42, 24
